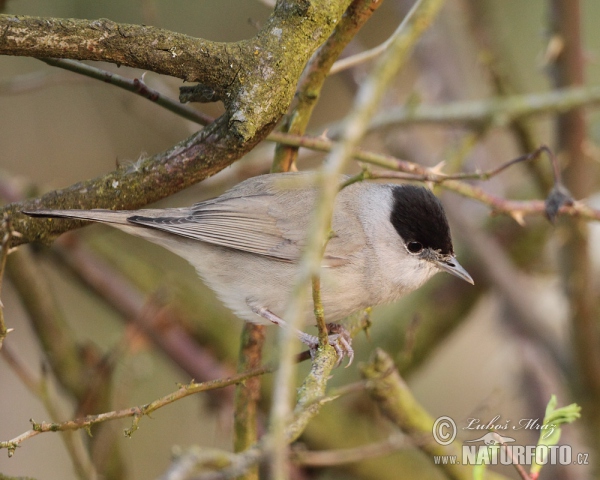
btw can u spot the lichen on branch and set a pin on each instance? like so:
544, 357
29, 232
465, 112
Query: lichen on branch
255, 78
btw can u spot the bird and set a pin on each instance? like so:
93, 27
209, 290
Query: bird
386, 240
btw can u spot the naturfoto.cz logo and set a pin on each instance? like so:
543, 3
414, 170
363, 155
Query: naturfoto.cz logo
495, 448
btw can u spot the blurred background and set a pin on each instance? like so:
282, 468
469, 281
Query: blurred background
525, 331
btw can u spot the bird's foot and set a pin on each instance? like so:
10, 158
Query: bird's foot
339, 338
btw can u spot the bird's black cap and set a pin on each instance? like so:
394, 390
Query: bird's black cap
418, 216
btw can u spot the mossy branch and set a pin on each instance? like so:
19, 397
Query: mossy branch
396, 401
260, 71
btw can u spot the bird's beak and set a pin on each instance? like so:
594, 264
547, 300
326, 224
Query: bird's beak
452, 266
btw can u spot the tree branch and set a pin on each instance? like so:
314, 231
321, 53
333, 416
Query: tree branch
260, 71
389, 391
366, 103
313, 77
136, 412
137, 46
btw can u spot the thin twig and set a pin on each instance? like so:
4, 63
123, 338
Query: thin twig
136, 86
318, 309
519, 468
4, 248
352, 61
367, 101
330, 458
136, 412
39, 386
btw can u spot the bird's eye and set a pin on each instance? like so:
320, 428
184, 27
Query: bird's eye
414, 247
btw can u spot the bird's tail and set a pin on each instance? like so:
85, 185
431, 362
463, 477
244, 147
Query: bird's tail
117, 217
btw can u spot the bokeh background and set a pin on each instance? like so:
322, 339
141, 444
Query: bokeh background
464, 350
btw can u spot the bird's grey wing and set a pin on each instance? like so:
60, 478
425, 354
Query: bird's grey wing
272, 224
240, 223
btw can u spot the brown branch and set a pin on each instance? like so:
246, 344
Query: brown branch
247, 394
580, 172
236, 71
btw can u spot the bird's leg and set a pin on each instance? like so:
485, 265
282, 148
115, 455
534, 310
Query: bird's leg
339, 338
342, 343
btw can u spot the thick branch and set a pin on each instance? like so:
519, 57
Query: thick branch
138, 46
265, 68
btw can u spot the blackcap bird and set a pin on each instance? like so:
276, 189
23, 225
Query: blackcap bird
386, 241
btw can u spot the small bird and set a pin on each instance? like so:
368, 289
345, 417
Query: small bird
386, 241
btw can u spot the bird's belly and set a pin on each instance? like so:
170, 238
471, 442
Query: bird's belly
242, 281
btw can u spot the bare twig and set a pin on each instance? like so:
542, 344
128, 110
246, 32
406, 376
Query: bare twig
136, 412
519, 468
318, 309
366, 103
136, 86
328, 458
352, 61
39, 386
247, 393
4, 248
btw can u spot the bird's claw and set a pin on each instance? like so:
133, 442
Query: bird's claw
339, 338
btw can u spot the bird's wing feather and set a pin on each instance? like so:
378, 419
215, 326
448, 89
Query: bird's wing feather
257, 223
253, 217
254, 224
